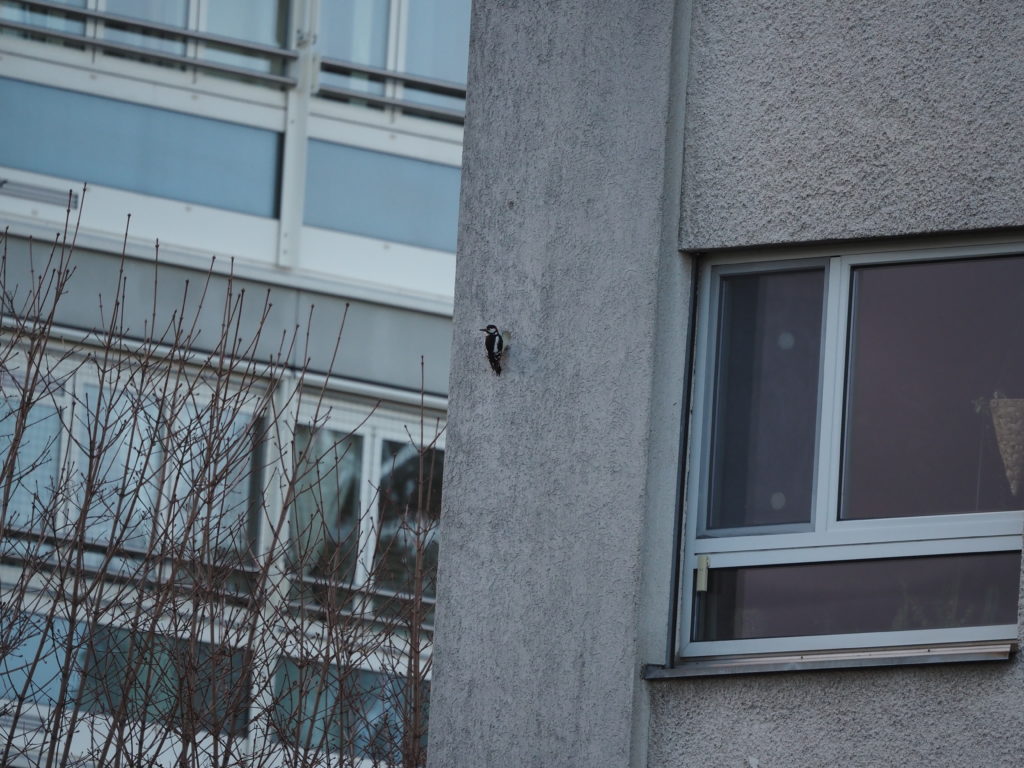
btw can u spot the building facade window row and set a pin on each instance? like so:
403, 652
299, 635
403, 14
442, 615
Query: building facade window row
212, 562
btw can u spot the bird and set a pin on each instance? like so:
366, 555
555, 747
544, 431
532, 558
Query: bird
495, 346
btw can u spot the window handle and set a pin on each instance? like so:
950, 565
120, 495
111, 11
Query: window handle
702, 573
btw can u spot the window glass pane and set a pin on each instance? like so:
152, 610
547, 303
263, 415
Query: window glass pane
437, 46
172, 13
915, 593
214, 483
383, 196
409, 515
142, 149
45, 19
33, 657
437, 42
326, 512
355, 31
935, 389
30, 487
120, 467
309, 711
256, 21
322, 708
166, 681
766, 398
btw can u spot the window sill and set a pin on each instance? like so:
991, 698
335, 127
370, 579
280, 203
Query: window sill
853, 659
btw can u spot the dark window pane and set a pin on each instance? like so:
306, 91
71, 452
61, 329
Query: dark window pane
936, 592
409, 515
326, 513
766, 398
931, 345
325, 708
138, 148
160, 680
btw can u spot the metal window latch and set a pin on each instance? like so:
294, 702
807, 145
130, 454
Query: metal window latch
702, 573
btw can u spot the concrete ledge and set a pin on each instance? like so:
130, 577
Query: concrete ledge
793, 662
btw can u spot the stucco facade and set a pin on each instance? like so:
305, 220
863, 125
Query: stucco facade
609, 147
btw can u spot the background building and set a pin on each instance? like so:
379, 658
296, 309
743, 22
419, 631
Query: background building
314, 149
750, 486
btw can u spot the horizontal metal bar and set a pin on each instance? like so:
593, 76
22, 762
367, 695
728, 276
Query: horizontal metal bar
442, 87
880, 657
39, 194
149, 53
243, 46
409, 107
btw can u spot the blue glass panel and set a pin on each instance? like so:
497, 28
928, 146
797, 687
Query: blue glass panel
172, 13
32, 669
355, 31
142, 149
437, 46
259, 21
384, 196
46, 19
438, 39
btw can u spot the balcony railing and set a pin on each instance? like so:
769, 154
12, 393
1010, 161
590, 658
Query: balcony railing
373, 86
395, 82
274, 57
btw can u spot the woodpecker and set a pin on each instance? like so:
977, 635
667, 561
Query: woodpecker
494, 345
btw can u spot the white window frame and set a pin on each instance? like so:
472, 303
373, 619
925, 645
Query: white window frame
826, 538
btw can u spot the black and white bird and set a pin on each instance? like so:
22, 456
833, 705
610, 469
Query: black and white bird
495, 346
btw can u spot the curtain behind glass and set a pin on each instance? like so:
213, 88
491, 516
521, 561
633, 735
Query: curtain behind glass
355, 31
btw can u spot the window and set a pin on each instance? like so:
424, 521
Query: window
139, 148
857, 467
384, 196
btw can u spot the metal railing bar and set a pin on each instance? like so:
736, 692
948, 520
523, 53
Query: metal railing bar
243, 46
149, 53
441, 87
408, 107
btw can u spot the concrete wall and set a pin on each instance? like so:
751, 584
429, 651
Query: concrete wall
380, 344
801, 121
572, 147
826, 119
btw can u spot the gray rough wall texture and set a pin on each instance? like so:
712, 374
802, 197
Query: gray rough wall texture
907, 717
828, 119
561, 243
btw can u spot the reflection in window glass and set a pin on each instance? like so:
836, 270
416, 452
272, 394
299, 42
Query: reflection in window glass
173, 13
914, 593
935, 390
437, 46
383, 196
319, 707
31, 500
255, 21
142, 149
325, 515
355, 32
166, 681
766, 398
409, 515
34, 654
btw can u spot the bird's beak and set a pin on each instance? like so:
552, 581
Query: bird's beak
484, 330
